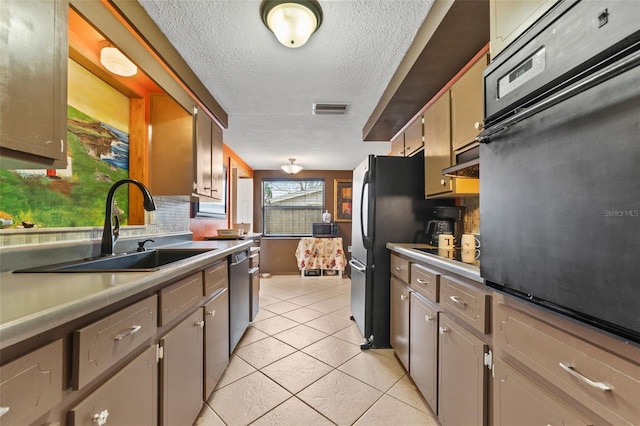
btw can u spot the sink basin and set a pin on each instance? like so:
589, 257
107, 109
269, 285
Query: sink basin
145, 261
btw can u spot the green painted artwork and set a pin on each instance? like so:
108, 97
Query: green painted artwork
98, 156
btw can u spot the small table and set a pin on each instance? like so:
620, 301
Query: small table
321, 254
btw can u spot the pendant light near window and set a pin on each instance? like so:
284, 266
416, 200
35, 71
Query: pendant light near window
292, 21
292, 169
115, 61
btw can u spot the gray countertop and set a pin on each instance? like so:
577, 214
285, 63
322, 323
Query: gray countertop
466, 270
31, 304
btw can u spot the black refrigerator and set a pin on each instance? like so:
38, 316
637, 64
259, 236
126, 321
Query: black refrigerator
388, 206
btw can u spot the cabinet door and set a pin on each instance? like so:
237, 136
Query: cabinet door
217, 162
33, 76
216, 340
181, 380
413, 137
397, 146
467, 105
400, 321
171, 155
519, 401
437, 151
202, 154
423, 352
511, 18
463, 376
128, 398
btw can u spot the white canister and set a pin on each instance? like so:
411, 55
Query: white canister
326, 216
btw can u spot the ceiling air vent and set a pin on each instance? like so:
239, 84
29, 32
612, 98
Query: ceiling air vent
330, 109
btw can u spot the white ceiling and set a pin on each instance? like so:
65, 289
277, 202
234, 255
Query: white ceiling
268, 89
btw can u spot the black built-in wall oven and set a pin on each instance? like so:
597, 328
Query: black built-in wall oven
560, 179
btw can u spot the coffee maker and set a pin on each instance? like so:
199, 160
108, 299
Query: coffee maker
442, 220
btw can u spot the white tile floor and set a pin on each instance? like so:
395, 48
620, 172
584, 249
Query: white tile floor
300, 363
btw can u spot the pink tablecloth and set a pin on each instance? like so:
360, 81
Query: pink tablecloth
320, 253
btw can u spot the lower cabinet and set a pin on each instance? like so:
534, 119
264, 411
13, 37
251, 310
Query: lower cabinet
130, 397
400, 320
520, 401
423, 352
180, 366
463, 377
216, 340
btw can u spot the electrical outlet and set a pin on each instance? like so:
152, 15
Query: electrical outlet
348, 249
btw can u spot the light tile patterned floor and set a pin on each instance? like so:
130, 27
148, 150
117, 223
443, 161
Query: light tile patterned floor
300, 363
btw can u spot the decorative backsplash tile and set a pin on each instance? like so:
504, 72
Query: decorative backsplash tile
172, 215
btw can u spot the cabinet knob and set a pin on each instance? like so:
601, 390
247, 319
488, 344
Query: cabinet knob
443, 330
478, 125
101, 417
403, 297
3, 411
428, 318
199, 324
443, 182
211, 313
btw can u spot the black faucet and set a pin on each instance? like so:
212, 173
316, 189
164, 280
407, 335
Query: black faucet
110, 236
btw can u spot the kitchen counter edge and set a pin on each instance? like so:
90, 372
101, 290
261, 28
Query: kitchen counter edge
95, 291
459, 268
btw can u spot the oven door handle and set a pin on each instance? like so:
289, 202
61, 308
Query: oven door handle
626, 63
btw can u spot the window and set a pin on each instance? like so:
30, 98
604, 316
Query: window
290, 206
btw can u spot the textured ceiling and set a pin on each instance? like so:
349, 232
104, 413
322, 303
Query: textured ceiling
268, 89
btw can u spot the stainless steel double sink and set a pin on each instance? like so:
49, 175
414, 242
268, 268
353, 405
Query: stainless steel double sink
145, 261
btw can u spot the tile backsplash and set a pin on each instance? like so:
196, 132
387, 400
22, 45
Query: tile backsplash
171, 216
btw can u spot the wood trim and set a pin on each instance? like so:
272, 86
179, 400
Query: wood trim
138, 156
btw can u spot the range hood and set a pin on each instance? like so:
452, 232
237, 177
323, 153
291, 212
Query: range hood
467, 164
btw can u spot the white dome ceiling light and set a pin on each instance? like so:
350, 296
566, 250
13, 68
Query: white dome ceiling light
292, 21
115, 61
292, 169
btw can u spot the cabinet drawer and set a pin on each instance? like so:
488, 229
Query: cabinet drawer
254, 260
180, 296
426, 282
466, 301
520, 401
127, 398
103, 343
546, 349
215, 278
400, 268
31, 385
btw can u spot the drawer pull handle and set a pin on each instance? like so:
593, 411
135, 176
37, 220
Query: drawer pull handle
428, 318
3, 411
398, 268
211, 313
101, 417
133, 330
443, 330
571, 370
199, 324
457, 300
421, 281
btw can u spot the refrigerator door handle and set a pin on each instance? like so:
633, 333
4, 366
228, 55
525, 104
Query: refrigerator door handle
366, 239
357, 265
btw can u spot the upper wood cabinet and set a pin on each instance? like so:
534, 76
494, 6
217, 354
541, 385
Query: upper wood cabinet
397, 145
437, 151
414, 137
207, 157
511, 18
185, 157
467, 108
171, 147
33, 76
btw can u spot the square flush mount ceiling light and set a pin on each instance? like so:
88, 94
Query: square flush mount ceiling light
292, 21
115, 61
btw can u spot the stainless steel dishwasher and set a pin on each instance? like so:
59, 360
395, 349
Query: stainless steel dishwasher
239, 297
